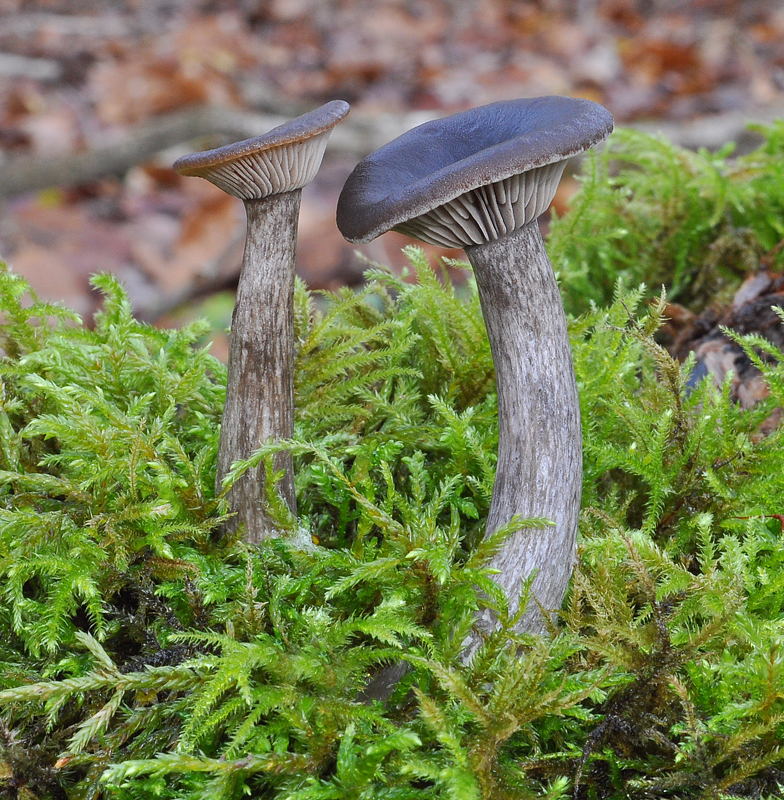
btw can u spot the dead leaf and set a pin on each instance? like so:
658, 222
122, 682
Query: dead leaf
130, 91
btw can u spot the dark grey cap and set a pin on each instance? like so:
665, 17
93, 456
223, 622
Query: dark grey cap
284, 159
472, 177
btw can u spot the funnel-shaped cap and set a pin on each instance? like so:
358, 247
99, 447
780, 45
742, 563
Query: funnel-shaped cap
473, 177
282, 160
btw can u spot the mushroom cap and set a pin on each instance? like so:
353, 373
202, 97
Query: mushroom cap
281, 160
437, 162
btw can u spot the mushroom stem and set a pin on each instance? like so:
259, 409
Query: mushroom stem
260, 391
539, 470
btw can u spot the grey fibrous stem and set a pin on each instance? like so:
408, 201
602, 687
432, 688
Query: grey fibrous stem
539, 470
267, 173
260, 392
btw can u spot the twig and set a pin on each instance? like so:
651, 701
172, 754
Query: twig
766, 262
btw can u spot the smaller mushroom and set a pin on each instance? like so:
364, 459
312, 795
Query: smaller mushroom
268, 174
479, 180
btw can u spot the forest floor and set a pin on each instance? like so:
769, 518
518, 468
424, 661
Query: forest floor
90, 79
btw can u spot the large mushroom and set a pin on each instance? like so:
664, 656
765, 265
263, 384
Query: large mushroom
478, 180
268, 174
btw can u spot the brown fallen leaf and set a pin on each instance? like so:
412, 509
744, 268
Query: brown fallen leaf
131, 90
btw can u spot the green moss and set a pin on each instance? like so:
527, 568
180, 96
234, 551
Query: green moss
651, 212
145, 656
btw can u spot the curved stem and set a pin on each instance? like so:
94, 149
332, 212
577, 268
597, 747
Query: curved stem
260, 391
539, 471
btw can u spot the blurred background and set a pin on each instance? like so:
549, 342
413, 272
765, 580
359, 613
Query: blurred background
97, 98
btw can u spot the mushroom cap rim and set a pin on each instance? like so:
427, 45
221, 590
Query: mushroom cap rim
487, 165
299, 129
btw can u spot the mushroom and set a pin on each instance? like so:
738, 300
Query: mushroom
478, 180
267, 173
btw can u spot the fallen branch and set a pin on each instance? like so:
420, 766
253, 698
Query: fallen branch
26, 26
220, 274
359, 135
37, 69
716, 130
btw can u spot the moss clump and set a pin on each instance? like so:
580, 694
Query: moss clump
144, 656
651, 212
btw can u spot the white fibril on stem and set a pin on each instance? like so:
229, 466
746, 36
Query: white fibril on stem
267, 173
478, 180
